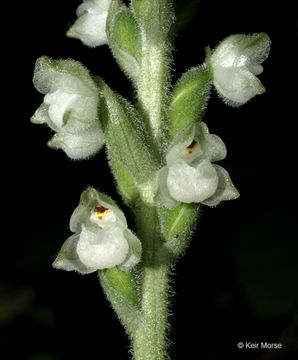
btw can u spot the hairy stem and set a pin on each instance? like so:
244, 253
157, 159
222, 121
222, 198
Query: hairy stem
152, 89
149, 340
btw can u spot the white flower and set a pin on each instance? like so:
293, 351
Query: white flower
190, 176
101, 240
70, 106
90, 27
235, 62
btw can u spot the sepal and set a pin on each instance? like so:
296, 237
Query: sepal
50, 74
225, 189
134, 251
41, 115
78, 147
68, 259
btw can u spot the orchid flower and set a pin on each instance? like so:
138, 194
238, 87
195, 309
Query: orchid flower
70, 106
235, 63
101, 238
190, 175
90, 27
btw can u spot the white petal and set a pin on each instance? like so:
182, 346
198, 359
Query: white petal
225, 189
180, 142
81, 146
236, 50
213, 147
254, 68
237, 86
161, 189
192, 184
90, 29
59, 102
102, 249
71, 112
81, 215
134, 253
68, 258
93, 7
258, 49
41, 115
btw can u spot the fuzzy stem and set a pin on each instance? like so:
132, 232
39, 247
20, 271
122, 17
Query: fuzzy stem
149, 340
152, 87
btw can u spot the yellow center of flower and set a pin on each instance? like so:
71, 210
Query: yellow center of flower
191, 147
100, 211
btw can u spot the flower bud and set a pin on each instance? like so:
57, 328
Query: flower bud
70, 106
101, 238
234, 64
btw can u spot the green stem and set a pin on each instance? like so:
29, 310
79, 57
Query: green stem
149, 339
152, 88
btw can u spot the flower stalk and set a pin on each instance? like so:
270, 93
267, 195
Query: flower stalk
149, 340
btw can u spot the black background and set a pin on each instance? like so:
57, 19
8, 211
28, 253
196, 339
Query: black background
238, 279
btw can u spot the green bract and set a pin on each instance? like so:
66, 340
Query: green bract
189, 99
126, 138
155, 17
125, 43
